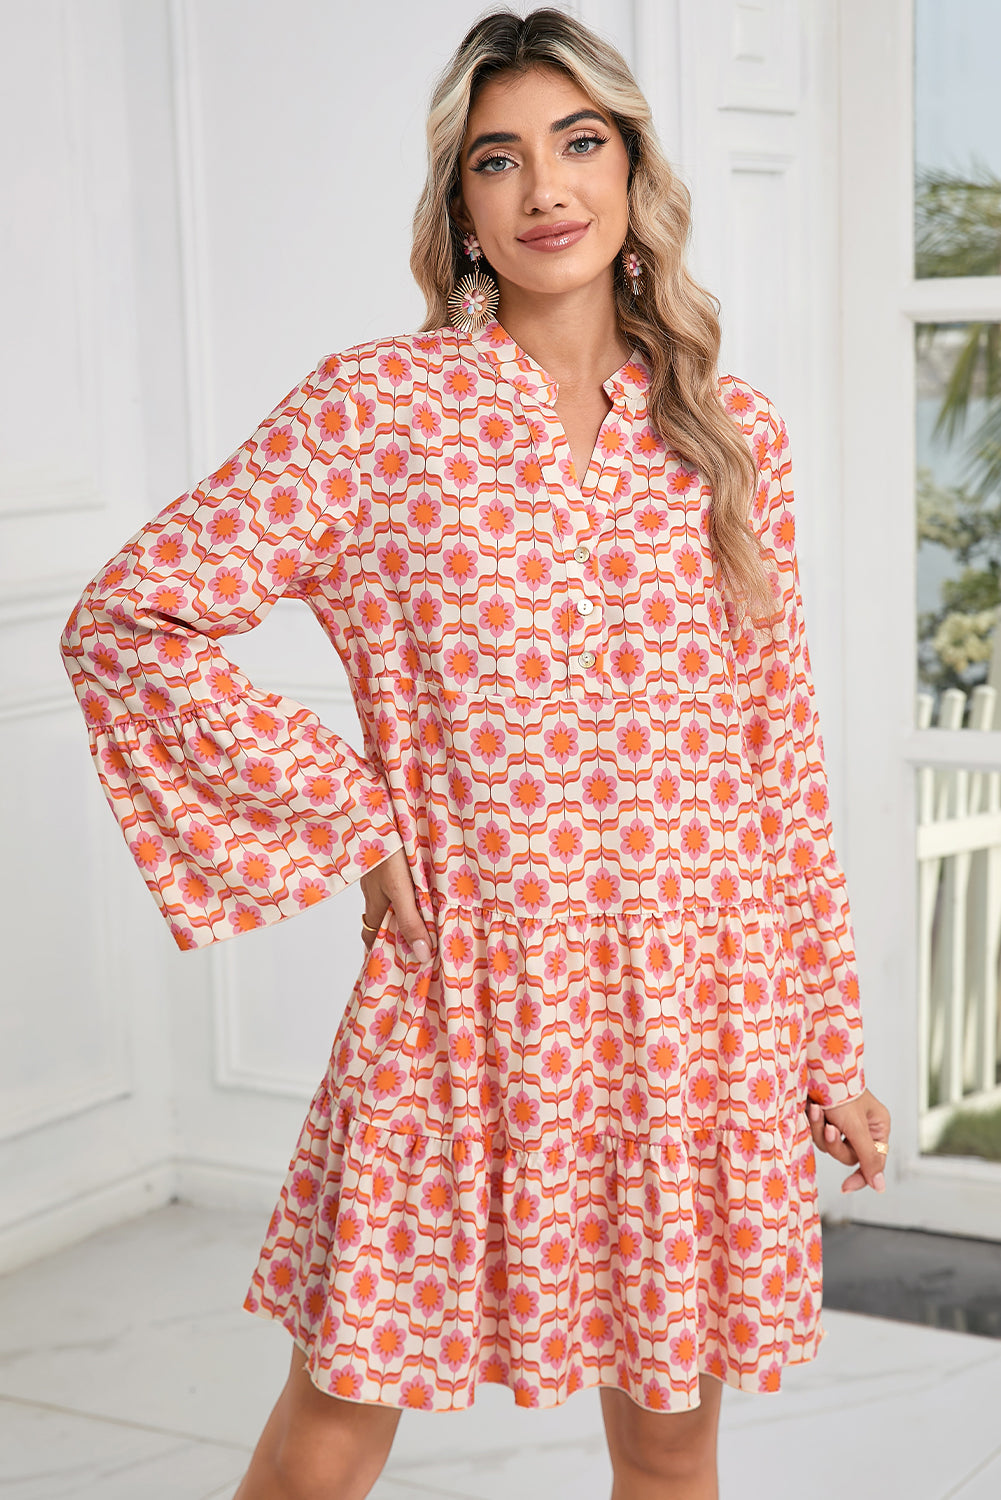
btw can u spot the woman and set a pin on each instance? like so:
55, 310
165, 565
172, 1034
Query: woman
609, 1003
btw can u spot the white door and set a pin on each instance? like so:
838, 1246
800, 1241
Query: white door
921, 402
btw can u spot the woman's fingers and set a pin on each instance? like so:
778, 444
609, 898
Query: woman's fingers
866, 1123
828, 1136
373, 918
851, 1137
391, 884
377, 899
408, 919
871, 1162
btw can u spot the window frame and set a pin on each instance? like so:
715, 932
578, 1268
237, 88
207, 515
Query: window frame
881, 301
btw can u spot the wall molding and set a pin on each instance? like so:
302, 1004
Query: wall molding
228, 1072
317, 693
71, 1220
764, 161
28, 491
14, 709
211, 1184
38, 598
115, 1080
105, 1088
188, 145
763, 58
73, 30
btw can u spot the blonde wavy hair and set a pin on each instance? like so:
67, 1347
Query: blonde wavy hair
673, 320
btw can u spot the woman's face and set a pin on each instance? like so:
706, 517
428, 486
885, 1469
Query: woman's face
540, 154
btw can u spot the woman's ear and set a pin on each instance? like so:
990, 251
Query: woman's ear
457, 213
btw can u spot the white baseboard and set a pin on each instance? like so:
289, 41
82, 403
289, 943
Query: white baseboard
222, 1185
75, 1219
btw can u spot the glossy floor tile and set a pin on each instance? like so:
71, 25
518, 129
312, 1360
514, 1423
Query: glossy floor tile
129, 1371
46, 1452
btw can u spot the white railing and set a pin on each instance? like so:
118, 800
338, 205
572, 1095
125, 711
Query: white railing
959, 923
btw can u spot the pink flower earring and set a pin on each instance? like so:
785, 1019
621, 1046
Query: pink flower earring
473, 300
633, 267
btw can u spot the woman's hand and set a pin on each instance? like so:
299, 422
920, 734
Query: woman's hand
848, 1132
391, 884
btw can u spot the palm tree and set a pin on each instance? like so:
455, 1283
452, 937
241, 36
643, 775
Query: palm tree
958, 233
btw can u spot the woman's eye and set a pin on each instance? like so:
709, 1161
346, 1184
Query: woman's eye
588, 141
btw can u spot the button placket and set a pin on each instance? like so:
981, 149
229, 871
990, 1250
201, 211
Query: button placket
588, 642
585, 645
590, 514
585, 636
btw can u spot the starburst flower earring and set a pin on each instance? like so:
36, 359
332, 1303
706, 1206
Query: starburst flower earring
633, 267
473, 300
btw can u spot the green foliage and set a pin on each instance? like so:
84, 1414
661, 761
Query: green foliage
955, 641
971, 1132
957, 229
958, 233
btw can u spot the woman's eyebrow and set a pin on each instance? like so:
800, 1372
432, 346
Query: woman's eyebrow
506, 137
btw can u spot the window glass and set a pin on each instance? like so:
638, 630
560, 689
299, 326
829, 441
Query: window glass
958, 433
958, 809
957, 137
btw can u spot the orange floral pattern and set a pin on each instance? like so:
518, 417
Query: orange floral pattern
571, 1149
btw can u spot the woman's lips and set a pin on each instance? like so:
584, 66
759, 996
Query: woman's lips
558, 241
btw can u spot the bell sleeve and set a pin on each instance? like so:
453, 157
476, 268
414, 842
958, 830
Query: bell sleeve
787, 753
238, 806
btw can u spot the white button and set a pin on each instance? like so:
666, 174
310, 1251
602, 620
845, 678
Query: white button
586, 659
581, 554
585, 606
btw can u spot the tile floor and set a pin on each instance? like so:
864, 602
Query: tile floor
129, 1371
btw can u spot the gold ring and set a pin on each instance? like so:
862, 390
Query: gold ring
881, 1147
368, 926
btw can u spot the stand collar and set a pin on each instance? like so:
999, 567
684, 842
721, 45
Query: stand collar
494, 348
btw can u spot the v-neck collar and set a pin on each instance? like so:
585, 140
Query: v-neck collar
496, 349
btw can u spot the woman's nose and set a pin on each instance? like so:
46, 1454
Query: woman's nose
545, 186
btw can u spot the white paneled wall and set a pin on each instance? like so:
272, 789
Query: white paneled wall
209, 197
84, 1060
294, 205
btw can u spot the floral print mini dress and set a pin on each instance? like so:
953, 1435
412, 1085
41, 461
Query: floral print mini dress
571, 1149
